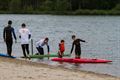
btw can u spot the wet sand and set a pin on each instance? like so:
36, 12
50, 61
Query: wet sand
15, 69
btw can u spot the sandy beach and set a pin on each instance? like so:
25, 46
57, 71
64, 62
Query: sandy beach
15, 69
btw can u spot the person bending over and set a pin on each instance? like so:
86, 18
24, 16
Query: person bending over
40, 44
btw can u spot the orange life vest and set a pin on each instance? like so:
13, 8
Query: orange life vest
61, 47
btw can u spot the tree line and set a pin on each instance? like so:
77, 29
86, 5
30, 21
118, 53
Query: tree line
60, 6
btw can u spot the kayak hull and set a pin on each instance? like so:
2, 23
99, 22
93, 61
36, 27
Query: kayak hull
5, 55
81, 60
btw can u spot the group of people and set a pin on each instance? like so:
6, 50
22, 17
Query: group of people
25, 35
76, 43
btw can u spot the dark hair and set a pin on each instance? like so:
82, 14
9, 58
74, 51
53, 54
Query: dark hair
46, 38
23, 25
9, 22
62, 41
73, 36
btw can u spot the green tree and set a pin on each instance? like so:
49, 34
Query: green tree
29, 9
75, 4
15, 6
62, 5
117, 7
4, 5
48, 5
26, 6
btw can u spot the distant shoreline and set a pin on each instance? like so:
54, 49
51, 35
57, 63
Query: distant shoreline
23, 69
78, 12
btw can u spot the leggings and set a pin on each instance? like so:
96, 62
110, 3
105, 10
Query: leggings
25, 48
9, 47
40, 50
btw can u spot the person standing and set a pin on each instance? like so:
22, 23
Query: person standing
61, 49
8, 34
76, 43
25, 35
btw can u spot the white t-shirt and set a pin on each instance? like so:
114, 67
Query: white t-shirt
24, 33
41, 43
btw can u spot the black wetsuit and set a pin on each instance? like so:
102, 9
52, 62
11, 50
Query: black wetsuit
77, 47
7, 35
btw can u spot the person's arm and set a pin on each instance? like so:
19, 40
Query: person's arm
19, 36
48, 48
29, 36
82, 40
72, 48
14, 34
19, 33
4, 33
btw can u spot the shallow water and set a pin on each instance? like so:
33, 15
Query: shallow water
102, 34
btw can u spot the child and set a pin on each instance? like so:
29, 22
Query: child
76, 43
61, 49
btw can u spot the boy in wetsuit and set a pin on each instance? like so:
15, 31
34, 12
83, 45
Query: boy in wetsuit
76, 43
8, 32
61, 49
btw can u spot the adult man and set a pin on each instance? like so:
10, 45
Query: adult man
7, 36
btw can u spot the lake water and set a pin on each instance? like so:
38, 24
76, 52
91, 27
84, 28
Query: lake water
102, 34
